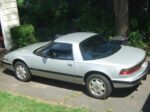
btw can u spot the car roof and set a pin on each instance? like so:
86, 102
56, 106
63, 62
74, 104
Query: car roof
74, 37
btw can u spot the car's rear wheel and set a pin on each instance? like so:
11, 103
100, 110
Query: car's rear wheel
22, 72
98, 86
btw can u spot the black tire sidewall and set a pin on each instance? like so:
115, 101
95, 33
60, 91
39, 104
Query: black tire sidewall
27, 71
106, 82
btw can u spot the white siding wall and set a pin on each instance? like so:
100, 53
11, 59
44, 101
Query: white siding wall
9, 18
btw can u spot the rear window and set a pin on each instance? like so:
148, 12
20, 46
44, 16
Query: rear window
96, 47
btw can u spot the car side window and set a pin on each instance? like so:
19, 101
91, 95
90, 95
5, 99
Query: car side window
61, 51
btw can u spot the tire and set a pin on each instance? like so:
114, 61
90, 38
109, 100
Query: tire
22, 72
98, 86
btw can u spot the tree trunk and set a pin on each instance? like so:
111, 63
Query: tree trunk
121, 16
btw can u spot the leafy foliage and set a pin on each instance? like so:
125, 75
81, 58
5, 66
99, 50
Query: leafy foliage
64, 16
20, 3
135, 39
51, 17
23, 35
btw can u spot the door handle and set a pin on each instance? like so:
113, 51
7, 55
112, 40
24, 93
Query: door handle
69, 64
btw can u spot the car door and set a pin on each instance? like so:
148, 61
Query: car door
56, 62
60, 58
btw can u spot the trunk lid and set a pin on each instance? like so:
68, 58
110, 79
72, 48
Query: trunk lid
126, 56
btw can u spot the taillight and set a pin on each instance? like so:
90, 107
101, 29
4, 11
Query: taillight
129, 71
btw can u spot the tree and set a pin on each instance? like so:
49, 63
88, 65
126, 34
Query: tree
121, 16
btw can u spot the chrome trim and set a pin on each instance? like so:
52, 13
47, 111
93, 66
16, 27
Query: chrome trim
57, 76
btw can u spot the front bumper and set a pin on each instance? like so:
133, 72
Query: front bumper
126, 84
7, 65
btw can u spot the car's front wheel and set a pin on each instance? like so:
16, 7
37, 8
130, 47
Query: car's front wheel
98, 86
22, 72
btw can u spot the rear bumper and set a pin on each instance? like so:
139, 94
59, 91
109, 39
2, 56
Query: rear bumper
126, 84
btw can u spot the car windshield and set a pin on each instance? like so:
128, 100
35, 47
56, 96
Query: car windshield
42, 48
96, 47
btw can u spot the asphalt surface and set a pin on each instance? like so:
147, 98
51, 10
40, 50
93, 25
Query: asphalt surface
135, 99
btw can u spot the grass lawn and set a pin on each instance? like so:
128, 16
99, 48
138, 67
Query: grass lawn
15, 103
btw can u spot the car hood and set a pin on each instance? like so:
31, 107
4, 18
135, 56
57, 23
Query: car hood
125, 57
30, 48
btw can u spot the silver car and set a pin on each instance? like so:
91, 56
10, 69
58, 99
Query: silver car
82, 58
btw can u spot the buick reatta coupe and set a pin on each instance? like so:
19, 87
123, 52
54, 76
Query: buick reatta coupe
83, 58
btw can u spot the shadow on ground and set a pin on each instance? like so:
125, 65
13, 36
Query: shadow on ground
149, 71
116, 92
146, 107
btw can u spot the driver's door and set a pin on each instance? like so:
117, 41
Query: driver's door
57, 62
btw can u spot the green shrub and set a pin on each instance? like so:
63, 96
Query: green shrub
23, 35
20, 2
135, 39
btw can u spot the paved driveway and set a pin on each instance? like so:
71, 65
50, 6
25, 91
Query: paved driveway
52, 91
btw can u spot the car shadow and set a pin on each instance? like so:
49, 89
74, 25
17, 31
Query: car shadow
124, 92
8, 72
60, 84
149, 72
146, 107
50, 82
121, 93
149, 68
66, 85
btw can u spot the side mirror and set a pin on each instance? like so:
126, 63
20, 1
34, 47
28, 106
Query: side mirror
44, 55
